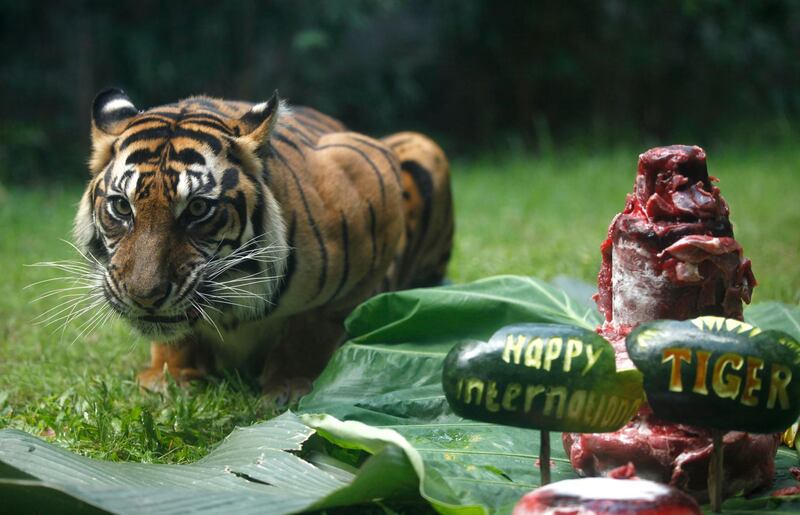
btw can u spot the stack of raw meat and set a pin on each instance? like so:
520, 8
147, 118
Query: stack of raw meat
671, 254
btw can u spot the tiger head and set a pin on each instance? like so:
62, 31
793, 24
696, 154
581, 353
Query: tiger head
177, 219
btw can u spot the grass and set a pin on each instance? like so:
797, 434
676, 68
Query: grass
542, 217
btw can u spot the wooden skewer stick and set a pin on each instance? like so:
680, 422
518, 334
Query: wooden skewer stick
715, 471
544, 457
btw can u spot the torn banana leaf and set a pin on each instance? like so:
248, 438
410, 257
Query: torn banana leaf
255, 470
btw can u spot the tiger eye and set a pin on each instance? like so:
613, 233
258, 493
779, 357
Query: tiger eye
198, 207
121, 206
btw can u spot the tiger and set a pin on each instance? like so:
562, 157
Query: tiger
239, 236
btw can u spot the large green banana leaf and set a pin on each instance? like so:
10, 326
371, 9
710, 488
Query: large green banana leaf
389, 375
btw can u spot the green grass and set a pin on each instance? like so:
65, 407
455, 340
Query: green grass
543, 217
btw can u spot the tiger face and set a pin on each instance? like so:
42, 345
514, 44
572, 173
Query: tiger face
177, 217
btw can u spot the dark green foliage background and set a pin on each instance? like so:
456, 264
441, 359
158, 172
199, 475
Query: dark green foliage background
477, 74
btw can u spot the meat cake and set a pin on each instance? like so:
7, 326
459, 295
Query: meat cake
671, 254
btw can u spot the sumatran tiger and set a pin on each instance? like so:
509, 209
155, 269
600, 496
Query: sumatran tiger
241, 235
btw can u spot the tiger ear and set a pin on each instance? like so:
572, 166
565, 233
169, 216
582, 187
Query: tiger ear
257, 123
111, 111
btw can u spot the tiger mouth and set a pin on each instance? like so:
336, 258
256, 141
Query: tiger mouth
190, 315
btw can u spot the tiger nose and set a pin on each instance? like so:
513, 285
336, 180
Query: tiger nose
153, 298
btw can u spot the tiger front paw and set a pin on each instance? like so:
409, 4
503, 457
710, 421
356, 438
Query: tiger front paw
285, 392
155, 379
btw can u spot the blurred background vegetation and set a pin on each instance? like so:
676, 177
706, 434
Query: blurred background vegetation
482, 76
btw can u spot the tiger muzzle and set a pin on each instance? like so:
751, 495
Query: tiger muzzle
145, 268
153, 298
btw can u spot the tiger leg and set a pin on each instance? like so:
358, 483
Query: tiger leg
185, 360
309, 339
428, 209
306, 343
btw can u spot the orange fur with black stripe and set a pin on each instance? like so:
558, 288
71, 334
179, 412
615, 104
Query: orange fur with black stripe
241, 235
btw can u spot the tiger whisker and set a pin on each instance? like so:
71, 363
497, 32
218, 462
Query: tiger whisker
253, 277
74, 268
91, 324
207, 318
73, 315
238, 291
68, 292
243, 297
225, 285
206, 304
58, 309
62, 262
215, 274
56, 317
76, 274
103, 320
60, 278
256, 251
63, 290
81, 294
88, 323
228, 303
72, 298
251, 280
243, 287
237, 279
44, 318
208, 297
244, 248
68, 320
221, 264
63, 322
79, 251
248, 275
253, 249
